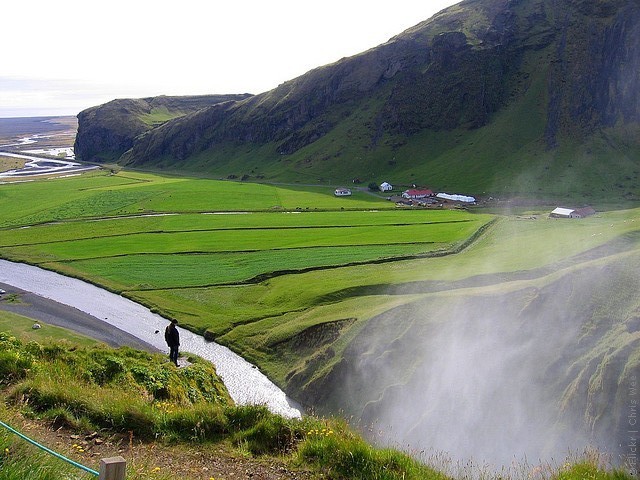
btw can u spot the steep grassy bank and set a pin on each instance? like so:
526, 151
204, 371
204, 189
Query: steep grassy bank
555, 354
100, 389
78, 390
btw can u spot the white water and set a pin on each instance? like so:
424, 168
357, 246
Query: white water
245, 383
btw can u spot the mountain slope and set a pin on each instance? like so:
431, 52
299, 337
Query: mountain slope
107, 131
547, 366
489, 95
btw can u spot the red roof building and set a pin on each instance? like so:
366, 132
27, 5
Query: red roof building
413, 193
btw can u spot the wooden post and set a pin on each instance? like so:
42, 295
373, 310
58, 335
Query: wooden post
113, 468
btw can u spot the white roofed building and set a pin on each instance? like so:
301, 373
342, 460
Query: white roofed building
561, 212
456, 197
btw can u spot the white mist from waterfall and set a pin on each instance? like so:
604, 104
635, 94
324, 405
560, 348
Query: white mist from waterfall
480, 392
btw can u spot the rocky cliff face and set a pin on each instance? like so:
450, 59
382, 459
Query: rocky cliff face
107, 131
424, 78
593, 79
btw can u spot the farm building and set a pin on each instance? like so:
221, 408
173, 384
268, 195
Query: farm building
417, 194
456, 198
561, 212
385, 187
342, 192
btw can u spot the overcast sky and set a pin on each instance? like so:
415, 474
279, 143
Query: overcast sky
60, 57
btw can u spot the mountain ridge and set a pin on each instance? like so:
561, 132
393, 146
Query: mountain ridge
107, 131
544, 87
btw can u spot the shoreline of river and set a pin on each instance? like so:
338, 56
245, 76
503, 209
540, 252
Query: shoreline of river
245, 383
49, 312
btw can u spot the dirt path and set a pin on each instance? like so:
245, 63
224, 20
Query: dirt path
155, 460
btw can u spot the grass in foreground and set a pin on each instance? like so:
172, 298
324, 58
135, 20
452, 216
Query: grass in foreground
21, 461
122, 390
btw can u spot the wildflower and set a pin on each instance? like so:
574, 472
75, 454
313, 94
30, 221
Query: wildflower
156, 469
6, 450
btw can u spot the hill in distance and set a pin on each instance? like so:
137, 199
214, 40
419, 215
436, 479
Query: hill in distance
105, 132
488, 97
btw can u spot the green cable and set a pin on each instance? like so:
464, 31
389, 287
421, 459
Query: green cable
48, 450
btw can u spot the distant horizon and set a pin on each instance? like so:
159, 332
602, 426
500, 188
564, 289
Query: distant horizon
73, 57
41, 116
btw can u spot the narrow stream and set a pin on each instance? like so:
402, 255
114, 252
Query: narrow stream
245, 383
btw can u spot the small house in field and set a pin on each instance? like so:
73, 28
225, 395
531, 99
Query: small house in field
385, 187
416, 194
342, 192
562, 212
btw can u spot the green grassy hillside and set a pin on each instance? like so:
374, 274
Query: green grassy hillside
533, 99
546, 349
115, 392
58, 390
311, 287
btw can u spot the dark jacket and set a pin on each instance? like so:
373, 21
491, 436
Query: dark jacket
171, 335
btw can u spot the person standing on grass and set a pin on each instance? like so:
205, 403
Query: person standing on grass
172, 337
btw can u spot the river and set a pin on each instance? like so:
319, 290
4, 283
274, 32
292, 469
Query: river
245, 383
42, 166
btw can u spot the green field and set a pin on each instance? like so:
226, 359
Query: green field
102, 236
131, 193
256, 266
153, 238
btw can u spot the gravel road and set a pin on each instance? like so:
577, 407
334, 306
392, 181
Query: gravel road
53, 313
